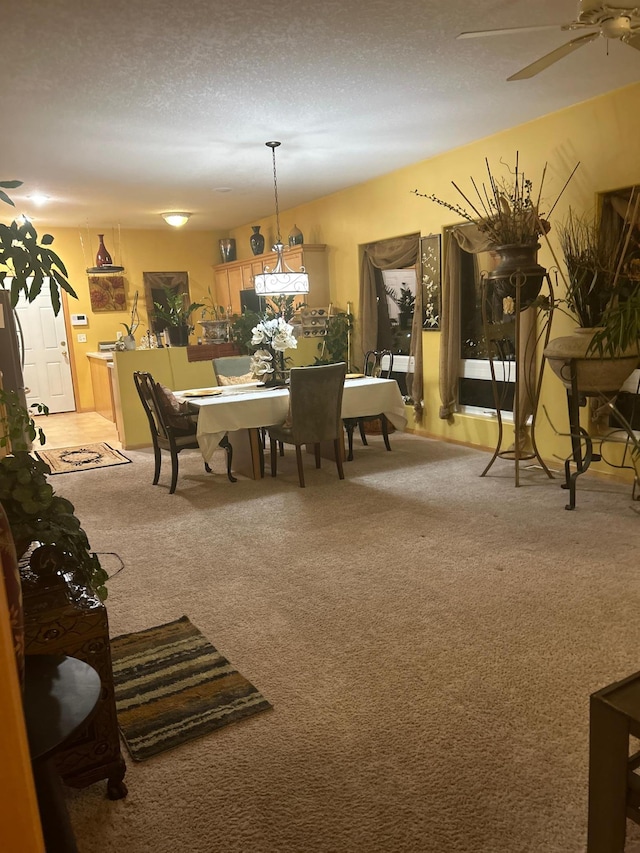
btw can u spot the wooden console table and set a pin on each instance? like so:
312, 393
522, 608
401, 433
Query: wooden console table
64, 617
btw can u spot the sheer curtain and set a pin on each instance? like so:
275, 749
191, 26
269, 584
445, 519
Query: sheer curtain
397, 253
470, 239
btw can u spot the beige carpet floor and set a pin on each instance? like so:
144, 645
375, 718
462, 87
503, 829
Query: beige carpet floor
428, 639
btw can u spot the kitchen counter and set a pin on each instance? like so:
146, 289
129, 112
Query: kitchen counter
102, 356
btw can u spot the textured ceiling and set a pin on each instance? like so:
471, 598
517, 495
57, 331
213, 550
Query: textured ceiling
122, 110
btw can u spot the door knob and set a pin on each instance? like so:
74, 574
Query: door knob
64, 352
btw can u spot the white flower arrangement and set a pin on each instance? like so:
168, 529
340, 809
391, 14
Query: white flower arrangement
276, 333
262, 363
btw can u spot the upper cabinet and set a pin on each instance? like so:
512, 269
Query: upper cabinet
235, 276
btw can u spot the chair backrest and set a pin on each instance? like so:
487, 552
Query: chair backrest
378, 363
147, 390
231, 366
316, 402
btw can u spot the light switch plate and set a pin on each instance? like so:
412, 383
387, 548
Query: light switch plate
82, 339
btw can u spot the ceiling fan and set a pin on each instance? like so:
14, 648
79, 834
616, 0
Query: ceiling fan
615, 20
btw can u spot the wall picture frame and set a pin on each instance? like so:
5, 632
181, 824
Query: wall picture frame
431, 277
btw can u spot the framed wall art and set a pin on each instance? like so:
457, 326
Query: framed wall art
107, 293
430, 265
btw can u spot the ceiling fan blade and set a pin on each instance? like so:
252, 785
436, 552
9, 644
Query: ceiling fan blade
506, 31
547, 60
633, 42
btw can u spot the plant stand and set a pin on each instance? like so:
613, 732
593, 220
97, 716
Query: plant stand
582, 443
498, 343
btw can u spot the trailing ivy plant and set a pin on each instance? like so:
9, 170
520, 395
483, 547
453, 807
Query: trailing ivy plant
29, 262
34, 511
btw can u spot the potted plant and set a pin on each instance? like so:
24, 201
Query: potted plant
128, 341
28, 262
215, 320
34, 511
176, 313
602, 293
509, 217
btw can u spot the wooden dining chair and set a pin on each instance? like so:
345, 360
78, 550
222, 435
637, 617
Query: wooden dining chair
314, 414
378, 364
172, 428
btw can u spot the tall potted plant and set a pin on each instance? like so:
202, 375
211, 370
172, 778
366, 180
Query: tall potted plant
509, 216
27, 261
603, 296
176, 314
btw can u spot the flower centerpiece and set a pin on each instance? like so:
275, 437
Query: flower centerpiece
272, 336
509, 216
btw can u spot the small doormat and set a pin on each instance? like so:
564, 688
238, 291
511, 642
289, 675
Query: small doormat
172, 685
82, 458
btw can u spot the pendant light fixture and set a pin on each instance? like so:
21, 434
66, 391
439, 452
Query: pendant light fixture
281, 280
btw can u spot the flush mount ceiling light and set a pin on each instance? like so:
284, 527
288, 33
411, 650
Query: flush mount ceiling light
38, 198
281, 280
176, 218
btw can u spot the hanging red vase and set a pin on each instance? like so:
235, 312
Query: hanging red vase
103, 258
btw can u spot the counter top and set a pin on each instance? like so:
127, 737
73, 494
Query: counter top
102, 356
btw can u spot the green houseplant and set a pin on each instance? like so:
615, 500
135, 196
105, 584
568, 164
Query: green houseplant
214, 320
29, 262
176, 314
34, 511
603, 296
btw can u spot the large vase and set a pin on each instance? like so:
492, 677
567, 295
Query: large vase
595, 375
103, 258
227, 249
215, 331
518, 272
256, 240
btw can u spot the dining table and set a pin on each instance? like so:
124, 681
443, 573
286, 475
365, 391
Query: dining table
242, 410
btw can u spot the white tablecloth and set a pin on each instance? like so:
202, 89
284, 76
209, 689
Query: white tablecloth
234, 409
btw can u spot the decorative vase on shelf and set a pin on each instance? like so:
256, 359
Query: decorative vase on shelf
256, 240
518, 268
296, 237
178, 335
227, 249
103, 258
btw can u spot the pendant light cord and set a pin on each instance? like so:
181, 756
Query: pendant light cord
273, 146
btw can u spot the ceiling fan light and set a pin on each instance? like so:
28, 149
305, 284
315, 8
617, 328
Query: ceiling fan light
176, 218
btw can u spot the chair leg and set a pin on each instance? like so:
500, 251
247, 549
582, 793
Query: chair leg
300, 469
158, 460
274, 456
281, 448
362, 433
207, 467
349, 426
174, 470
226, 444
316, 450
385, 431
337, 450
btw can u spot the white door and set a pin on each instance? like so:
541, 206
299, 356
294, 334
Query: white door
47, 371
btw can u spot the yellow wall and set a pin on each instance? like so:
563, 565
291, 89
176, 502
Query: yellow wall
602, 134
138, 251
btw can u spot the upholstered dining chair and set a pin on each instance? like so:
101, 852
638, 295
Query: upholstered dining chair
236, 370
314, 414
232, 369
172, 427
378, 364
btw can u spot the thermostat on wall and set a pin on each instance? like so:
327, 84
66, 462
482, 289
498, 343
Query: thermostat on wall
79, 320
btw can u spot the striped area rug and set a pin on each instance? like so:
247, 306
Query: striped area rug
172, 685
